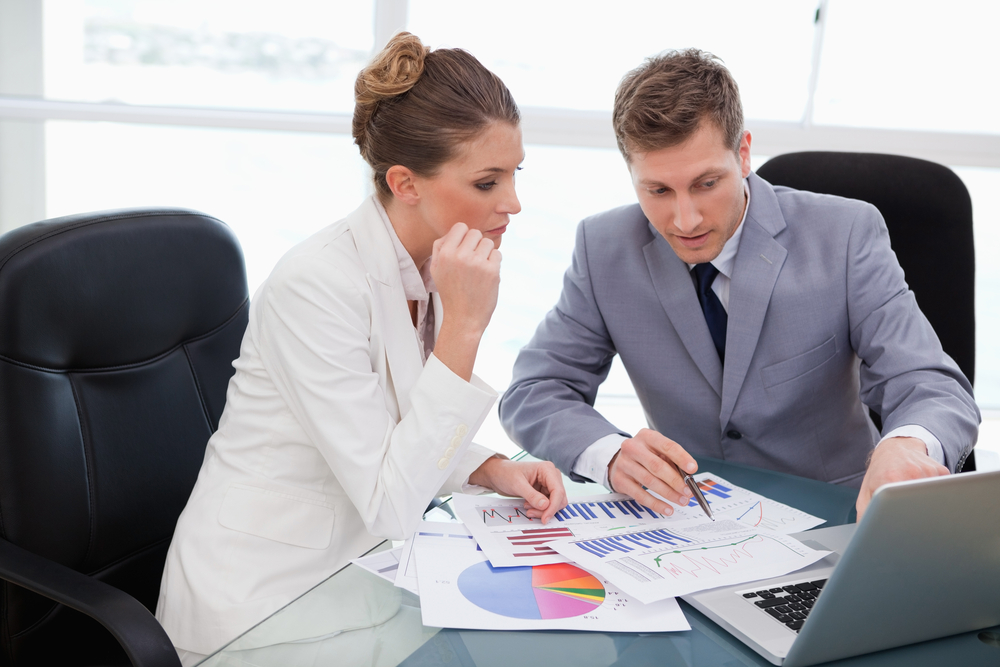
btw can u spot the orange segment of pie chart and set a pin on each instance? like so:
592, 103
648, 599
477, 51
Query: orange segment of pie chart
569, 581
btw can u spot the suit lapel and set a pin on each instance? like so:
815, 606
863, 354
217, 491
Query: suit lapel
758, 263
672, 282
394, 325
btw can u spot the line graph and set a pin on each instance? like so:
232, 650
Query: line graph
506, 515
707, 561
653, 564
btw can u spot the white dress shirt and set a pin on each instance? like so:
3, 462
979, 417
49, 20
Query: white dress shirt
594, 461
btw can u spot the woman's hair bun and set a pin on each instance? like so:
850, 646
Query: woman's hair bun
395, 70
414, 107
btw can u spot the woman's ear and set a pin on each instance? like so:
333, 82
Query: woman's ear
402, 183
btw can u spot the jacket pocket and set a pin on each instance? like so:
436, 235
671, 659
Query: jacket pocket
273, 515
783, 371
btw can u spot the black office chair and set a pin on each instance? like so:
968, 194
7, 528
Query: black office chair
118, 330
928, 212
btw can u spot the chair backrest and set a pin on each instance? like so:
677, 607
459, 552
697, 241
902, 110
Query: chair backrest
118, 330
928, 212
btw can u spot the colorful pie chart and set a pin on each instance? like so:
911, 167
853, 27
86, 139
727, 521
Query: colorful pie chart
560, 590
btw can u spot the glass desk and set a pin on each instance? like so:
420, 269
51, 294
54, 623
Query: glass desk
355, 618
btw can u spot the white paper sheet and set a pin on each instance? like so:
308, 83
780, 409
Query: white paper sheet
406, 575
384, 564
510, 538
689, 556
750, 509
460, 589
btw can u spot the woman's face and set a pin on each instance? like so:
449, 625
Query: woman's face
476, 186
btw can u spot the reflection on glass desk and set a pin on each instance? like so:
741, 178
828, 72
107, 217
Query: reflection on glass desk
355, 618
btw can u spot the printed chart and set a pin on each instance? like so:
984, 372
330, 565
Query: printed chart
429, 531
560, 590
616, 510
510, 538
691, 556
459, 588
749, 509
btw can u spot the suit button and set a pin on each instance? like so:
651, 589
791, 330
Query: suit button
456, 441
450, 452
461, 431
443, 462
734, 434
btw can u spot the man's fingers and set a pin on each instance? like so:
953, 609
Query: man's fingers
667, 449
864, 498
680, 458
651, 471
643, 497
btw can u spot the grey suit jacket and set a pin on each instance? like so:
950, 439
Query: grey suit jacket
821, 324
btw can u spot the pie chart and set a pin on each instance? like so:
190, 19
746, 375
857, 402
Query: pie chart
560, 590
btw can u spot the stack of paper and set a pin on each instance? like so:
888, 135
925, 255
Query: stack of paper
604, 563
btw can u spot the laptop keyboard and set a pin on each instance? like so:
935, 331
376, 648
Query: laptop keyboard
788, 605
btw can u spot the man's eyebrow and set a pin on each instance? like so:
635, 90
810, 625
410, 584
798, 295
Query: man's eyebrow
709, 172
700, 177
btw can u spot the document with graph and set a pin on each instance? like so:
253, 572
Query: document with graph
651, 564
460, 589
509, 537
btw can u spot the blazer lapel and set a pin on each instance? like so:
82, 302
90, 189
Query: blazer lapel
758, 263
394, 325
672, 282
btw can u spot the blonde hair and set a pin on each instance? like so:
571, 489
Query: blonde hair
414, 107
662, 102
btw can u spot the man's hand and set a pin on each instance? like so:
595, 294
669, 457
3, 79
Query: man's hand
651, 460
896, 460
538, 482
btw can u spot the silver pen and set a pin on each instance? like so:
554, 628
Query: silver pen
698, 495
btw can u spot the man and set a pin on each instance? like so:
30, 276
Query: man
756, 323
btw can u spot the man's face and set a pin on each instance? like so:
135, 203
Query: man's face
692, 193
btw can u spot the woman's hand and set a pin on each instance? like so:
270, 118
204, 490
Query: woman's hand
466, 269
538, 482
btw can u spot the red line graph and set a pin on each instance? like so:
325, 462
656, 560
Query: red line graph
696, 564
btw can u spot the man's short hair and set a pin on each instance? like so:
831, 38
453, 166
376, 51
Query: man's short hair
662, 102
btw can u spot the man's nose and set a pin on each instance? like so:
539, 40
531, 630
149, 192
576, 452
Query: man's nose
686, 214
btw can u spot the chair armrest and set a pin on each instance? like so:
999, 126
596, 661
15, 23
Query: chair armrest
142, 637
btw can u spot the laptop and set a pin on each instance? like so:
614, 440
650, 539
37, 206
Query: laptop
923, 563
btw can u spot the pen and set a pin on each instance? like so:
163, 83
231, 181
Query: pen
698, 495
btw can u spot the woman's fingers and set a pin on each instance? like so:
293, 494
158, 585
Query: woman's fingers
467, 275
540, 484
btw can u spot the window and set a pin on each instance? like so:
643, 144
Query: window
223, 53
893, 76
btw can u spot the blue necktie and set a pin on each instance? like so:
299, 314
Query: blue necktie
715, 314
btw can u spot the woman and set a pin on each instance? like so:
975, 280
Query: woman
353, 402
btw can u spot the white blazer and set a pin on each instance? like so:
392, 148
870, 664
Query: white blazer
334, 437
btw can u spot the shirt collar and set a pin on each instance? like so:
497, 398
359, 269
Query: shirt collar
416, 284
727, 257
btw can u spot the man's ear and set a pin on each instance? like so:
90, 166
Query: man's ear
402, 183
745, 153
